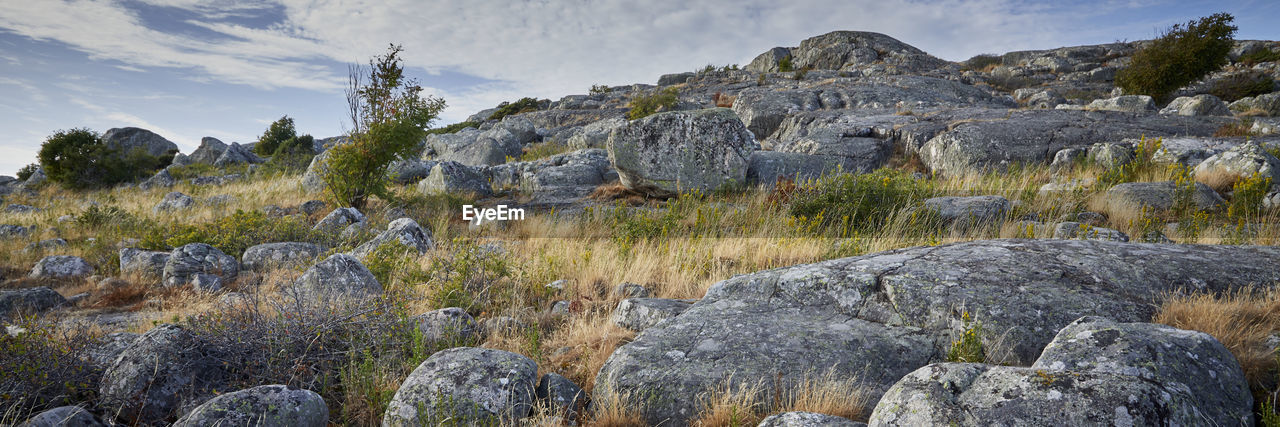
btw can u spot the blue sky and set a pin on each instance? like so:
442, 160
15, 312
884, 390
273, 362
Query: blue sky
226, 68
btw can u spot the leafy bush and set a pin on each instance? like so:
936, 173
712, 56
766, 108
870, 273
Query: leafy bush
453, 128
646, 105
785, 65
1241, 85
982, 62
390, 117
524, 105
849, 203
1182, 54
80, 159
232, 234
27, 171
45, 367
280, 131
1264, 55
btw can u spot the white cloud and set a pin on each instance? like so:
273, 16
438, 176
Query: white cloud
34, 93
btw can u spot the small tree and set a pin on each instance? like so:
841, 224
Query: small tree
280, 131
389, 115
1181, 55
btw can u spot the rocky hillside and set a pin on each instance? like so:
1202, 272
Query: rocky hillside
844, 232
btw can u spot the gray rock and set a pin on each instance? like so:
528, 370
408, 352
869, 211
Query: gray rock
221, 200
638, 314
482, 115
1190, 151
193, 259
565, 398
143, 263
806, 419
410, 171
475, 148
465, 385
209, 151
596, 134
15, 208
1075, 230
313, 179
31, 300
1110, 156
1242, 161
286, 255
520, 127
10, 231
767, 62
215, 180
677, 78
1158, 196
1124, 103
34, 181
311, 207
173, 202
1272, 200
455, 178
850, 50
63, 416
339, 219
1199, 105
631, 290
157, 375
1094, 372
129, 139
502, 325
769, 167
236, 154
338, 277
1045, 100
892, 312
105, 350
46, 245
162, 179
446, 324
1067, 158
405, 231
60, 267
669, 153
969, 212
268, 405
1268, 104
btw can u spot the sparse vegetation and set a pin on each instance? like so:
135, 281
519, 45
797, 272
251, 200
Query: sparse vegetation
968, 347
1260, 56
1242, 84
524, 105
785, 65
1181, 55
646, 105
27, 171
453, 128
983, 62
600, 89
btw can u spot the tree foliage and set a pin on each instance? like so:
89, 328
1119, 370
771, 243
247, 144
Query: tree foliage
79, 159
280, 131
1182, 54
389, 115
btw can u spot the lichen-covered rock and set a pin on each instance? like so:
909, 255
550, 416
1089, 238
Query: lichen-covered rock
455, 178
1124, 103
268, 405
596, 134
289, 255
209, 151
472, 147
1242, 161
10, 230
60, 267
638, 314
849, 50
465, 385
669, 153
38, 299
148, 264
156, 375
806, 419
892, 312
187, 261
1075, 230
410, 171
105, 350
1110, 156
405, 231
446, 324
564, 397
1158, 196
339, 219
128, 139
767, 168
970, 211
173, 202
1267, 103
1199, 105
1095, 372
339, 276
162, 179
631, 290
63, 416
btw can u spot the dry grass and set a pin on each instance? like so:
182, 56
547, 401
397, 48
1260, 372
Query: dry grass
612, 408
591, 339
1218, 179
1242, 321
748, 403
617, 192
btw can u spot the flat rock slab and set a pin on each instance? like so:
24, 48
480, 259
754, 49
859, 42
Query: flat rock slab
879, 316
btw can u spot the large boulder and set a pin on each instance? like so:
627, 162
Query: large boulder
410, 171
236, 154
338, 277
268, 405
880, 316
473, 147
1242, 161
965, 212
456, 178
1157, 196
148, 264
1124, 103
63, 416
1094, 372
669, 153
466, 385
1268, 104
61, 267
450, 324
209, 151
15, 231
129, 139
162, 371
767, 168
562, 395
1199, 105
172, 202
188, 263
406, 231
339, 219
104, 351
596, 134
30, 300
287, 255
850, 50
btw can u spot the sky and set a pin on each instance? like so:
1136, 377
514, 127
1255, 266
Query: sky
187, 69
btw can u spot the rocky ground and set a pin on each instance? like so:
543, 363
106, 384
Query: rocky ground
879, 236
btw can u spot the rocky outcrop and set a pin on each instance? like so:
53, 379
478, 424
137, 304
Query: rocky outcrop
209, 151
173, 202
558, 180
455, 178
968, 212
1094, 372
199, 263
337, 278
63, 416
237, 154
1245, 160
669, 153
878, 317
143, 263
157, 375
286, 255
465, 385
1199, 105
849, 51
268, 405
128, 139
1268, 104
405, 231
60, 267
1157, 196
806, 419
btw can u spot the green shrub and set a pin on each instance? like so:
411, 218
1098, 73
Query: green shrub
390, 116
280, 131
45, 367
232, 234
980, 62
848, 203
95, 216
80, 159
600, 89
785, 65
1264, 55
453, 128
27, 171
646, 105
387, 259
968, 348
524, 105
1241, 85
1182, 54
1142, 162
